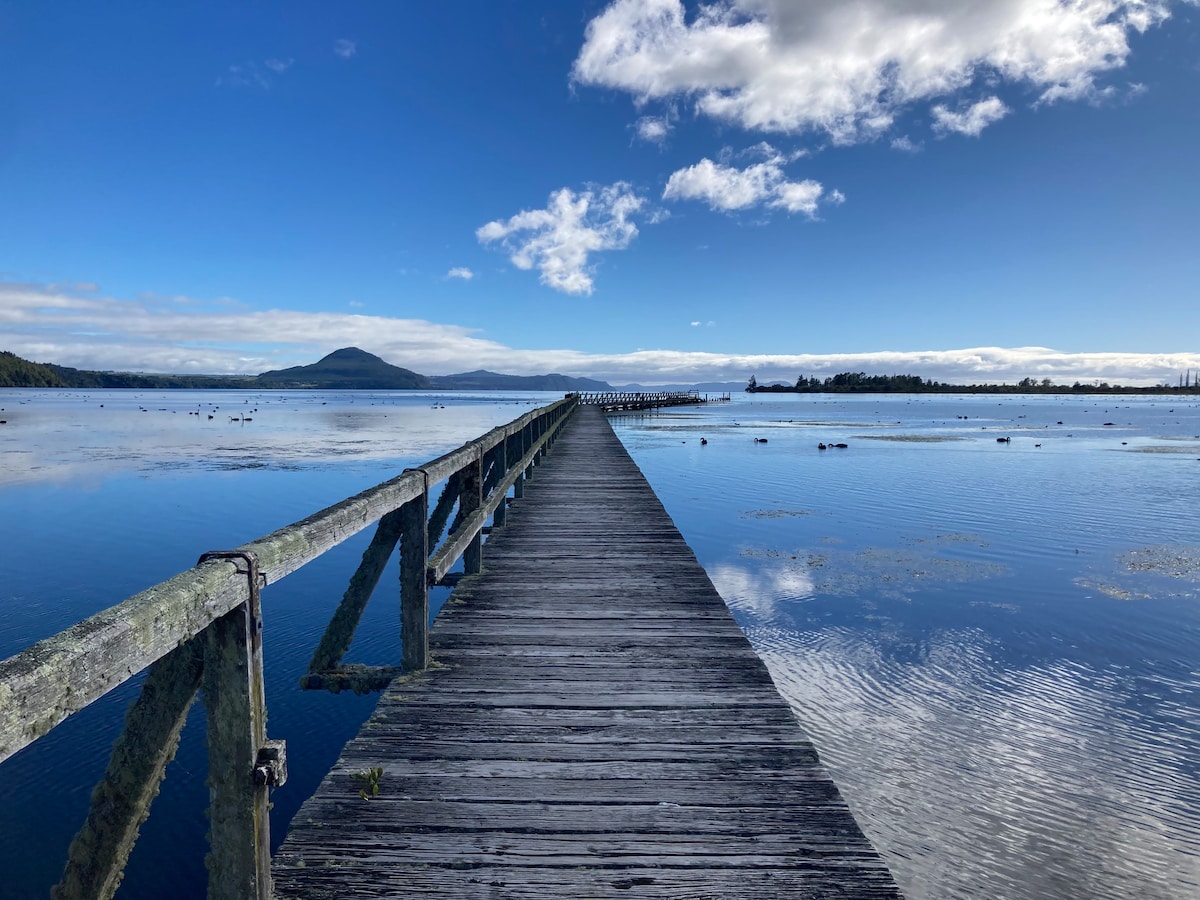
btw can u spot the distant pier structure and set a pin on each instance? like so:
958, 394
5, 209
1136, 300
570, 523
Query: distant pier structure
628, 401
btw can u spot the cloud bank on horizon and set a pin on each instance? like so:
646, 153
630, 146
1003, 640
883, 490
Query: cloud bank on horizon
73, 326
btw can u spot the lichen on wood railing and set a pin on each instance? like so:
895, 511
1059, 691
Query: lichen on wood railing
202, 631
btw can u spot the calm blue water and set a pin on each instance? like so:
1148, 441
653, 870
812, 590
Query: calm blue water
996, 647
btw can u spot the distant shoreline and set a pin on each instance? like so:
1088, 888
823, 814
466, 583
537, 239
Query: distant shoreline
860, 383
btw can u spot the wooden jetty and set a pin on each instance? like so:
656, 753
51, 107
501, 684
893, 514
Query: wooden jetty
630, 401
591, 721
593, 724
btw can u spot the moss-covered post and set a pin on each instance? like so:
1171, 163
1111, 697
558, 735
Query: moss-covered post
414, 587
239, 859
501, 469
516, 454
470, 500
528, 436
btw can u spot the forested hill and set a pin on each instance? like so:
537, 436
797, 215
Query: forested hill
346, 368
18, 372
861, 383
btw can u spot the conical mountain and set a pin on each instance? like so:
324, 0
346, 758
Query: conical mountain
346, 368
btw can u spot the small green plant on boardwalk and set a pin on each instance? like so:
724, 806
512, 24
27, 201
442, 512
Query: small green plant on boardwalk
370, 777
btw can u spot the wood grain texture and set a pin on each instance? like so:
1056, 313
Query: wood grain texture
594, 724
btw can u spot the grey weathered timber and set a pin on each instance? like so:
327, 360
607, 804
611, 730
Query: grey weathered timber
204, 627
235, 704
340, 631
62, 674
594, 724
414, 587
121, 801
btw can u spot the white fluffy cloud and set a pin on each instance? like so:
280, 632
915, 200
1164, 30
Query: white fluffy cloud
56, 324
848, 68
461, 272
727, 189
970, 121
653, 129
559, 239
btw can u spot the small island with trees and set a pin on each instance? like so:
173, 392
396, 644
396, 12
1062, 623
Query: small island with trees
861, 383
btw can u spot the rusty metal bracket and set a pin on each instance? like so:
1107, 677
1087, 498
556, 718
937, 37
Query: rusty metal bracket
256, 579
424, 476
270, 768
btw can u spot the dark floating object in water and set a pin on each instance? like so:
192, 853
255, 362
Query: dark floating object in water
760, 440
1059, 423
840, 446
1037, 445
1004, 440
703, 441
820, 446
1109, 423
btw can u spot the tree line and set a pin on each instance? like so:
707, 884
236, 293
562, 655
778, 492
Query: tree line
18, 372
862, 383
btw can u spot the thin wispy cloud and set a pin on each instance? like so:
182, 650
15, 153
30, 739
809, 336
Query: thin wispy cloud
849, 69
560, 240
254, 75
970, 121
461, 272
345, 48
727, 189
96, 332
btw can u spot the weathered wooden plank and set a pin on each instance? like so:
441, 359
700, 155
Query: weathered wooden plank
594, 723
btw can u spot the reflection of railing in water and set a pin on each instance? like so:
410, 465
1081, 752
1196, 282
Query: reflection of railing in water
203, 629
619, 401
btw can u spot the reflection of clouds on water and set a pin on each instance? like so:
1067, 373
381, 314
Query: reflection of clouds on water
890, 572
977, 776
994, 766
762, 590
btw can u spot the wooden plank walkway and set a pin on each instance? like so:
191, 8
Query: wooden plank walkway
595, 725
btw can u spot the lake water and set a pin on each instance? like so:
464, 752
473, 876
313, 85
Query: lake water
995, 646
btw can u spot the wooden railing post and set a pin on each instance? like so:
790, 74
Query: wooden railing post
470, 500
527, 434
239, 859
414, 587
501, 468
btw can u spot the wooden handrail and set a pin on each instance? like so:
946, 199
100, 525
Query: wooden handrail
206, 624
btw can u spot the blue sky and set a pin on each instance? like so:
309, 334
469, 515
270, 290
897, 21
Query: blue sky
638, 191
